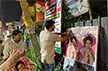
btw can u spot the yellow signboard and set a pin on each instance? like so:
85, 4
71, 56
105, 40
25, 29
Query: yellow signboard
27, 18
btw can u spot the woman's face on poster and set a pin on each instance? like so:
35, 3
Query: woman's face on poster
88, 44
21, 67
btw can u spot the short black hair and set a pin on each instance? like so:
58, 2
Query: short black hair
15, 32
18, 63
49, 23
88, 38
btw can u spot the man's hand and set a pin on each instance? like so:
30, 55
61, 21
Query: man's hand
22, 54
68, 32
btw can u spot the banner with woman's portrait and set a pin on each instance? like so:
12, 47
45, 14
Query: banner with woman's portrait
16, 62
82, 46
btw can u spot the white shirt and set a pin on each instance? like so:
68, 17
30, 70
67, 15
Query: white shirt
47, 45
11, 46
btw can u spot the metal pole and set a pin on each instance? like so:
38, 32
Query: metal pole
90, 11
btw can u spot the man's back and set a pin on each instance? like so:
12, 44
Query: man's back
47, 43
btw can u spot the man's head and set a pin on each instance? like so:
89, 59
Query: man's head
16, 34
50, 25
88, 41
19, 66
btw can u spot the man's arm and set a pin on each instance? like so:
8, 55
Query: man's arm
6, 52
5, 57
64, 33
24, 49
22, 54
66, 37
62, 39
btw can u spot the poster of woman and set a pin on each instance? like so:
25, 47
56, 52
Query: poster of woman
82, 45
16, 62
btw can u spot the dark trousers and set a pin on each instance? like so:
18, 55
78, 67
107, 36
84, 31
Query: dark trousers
47, 67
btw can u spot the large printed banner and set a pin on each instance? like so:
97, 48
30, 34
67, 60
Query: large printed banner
53, 11
82, 46
77, 7
17, 63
